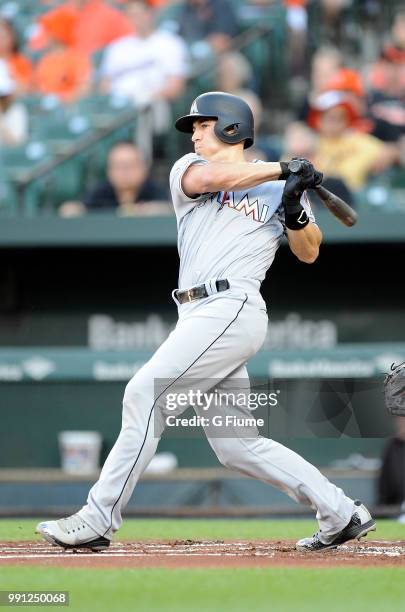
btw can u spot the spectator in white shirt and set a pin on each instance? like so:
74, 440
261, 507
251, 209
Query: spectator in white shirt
147, 66
13, 114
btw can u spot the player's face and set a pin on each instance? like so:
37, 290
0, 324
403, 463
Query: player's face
205, 141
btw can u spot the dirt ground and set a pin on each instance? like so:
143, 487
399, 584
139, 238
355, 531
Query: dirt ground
194, 553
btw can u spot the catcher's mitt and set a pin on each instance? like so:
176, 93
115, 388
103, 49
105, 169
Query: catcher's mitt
394, 390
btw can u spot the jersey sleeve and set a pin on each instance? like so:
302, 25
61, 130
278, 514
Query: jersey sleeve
182, 203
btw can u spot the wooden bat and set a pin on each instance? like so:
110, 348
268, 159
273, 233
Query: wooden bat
333, 203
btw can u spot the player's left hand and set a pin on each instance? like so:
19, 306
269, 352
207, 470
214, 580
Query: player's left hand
318, 178
296, 183
306, 178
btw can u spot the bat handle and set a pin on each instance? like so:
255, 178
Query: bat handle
295, 166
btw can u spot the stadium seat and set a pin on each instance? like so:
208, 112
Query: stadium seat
102, 108
17, 163
8, 197
59, 129
167, 17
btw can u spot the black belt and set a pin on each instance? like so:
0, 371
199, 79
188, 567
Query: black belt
196, 293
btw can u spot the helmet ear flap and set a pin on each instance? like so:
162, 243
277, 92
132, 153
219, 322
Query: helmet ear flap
231, 130
227, 131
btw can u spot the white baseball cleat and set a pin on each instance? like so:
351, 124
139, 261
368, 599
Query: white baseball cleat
72, 532
358, 527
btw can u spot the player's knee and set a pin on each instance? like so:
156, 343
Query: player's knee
133, 392
130, 390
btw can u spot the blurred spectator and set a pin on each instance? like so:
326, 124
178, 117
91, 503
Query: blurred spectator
147, 66
391, 482
326, 62
13, 114
127, 189
301, 141
233, 72
398, 33
332, 22
297, 24
98, 24
342, 151
63, 71
350, 83
19, 66
208, 25
386, 81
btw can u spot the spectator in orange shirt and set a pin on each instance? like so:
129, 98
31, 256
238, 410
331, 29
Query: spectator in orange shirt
64, 71
98, 24
19, 66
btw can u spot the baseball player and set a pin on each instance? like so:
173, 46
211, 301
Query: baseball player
231, 215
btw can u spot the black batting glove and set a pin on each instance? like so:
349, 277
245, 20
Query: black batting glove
318, 178
285, 167
295, 216
285, 172
296, 184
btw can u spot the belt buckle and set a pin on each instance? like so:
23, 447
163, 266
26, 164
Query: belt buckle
189, 295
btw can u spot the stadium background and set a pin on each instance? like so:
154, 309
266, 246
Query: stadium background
85, 300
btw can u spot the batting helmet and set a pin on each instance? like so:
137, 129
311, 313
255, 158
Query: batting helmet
234, 118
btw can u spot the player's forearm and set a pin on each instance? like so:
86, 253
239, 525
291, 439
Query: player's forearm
305, 242
226, 176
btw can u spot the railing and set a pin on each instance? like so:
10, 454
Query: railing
44, 170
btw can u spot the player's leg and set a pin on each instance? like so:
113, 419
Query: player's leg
279, 466
208, 344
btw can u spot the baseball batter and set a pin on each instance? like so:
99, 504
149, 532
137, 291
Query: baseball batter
231, 215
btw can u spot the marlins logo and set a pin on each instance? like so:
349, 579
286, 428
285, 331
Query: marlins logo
257, 211
194, 108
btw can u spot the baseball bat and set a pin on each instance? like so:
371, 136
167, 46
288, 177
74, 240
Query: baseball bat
333, 203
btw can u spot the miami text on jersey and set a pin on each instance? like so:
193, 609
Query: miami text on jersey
257, 211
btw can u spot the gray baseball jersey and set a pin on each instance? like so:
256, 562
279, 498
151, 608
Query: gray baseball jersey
227, 234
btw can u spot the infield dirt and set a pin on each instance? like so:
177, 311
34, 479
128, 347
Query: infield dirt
205, 553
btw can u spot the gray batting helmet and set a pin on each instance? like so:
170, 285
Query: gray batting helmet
229, 112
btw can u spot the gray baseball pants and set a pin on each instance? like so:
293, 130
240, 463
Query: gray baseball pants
214, 338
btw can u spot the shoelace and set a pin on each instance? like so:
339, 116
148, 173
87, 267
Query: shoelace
71, 523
